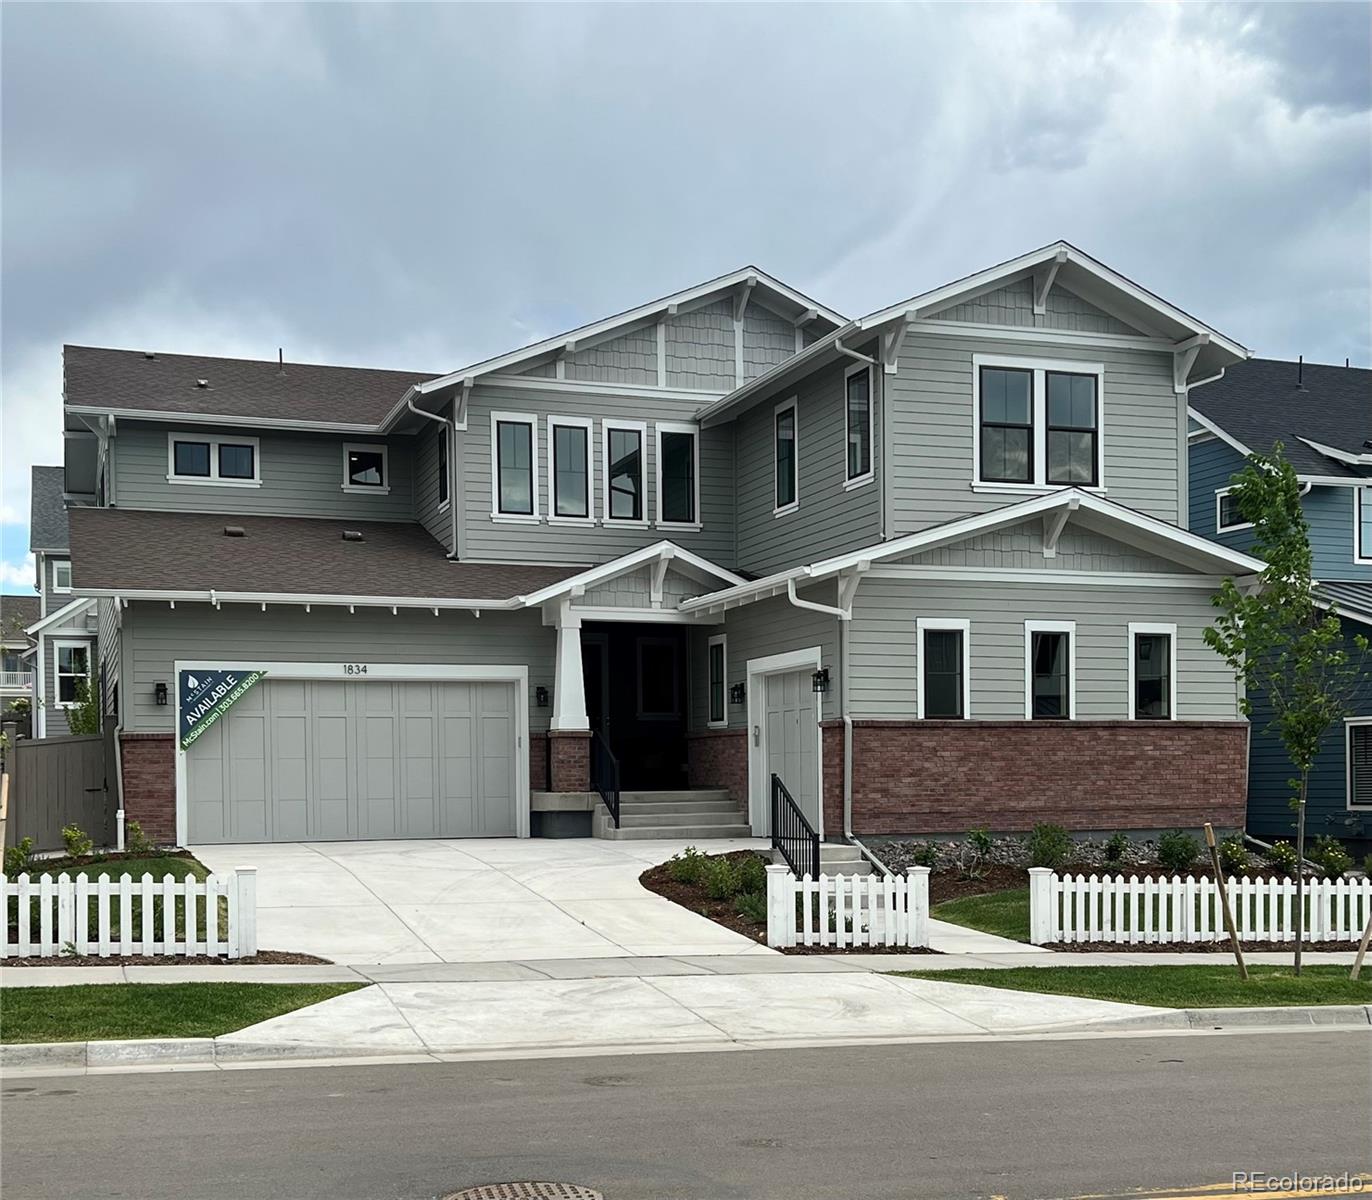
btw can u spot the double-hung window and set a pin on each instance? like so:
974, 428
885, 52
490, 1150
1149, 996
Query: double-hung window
1050, 670
1037, 423
857, 388
443, 481
678, 474
570, 471
1362, 524
71, 668
1152, 672
943, 682
227, 461
1227, 515
514, 455
61, 575
784, 460
365, 468
718, 680
1359, 762
623, 455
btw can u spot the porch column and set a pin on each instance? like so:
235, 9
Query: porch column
569, 687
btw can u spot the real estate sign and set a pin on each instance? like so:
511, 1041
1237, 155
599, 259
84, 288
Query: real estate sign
208, 695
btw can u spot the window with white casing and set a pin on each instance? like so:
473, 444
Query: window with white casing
71, 665
571, 474
678, 475
1152, 672
717, 650
1359, 753
1050, 670
366, 468
218, 461
943, 685
1362, 524
1227, 515
785, 460
624, 454
61, 575
858, 426
514, 462
1037, 424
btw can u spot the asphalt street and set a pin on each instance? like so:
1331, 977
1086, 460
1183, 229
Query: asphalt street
1049, 1118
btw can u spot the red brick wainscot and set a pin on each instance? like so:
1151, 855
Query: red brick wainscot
149, 782
946, 777
718, 758
560, 762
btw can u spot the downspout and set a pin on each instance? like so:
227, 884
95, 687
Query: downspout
450, 432
119, 784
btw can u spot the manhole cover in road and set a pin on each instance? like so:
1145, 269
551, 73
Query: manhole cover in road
526, 1191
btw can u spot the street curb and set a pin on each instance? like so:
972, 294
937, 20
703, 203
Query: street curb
1345, 1016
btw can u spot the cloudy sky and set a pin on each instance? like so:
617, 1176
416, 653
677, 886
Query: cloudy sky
419, 186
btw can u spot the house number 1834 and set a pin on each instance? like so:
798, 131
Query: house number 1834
354, 668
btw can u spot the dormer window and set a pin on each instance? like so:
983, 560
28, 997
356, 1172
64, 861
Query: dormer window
365, 469
217, 461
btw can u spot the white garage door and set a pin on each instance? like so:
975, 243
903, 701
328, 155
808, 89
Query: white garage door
300, 760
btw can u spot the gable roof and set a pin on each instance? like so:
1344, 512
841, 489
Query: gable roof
1348, 599
1321, 414
47, 509
664, 554
17, 613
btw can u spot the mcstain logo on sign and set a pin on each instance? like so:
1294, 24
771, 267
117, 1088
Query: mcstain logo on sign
208, 695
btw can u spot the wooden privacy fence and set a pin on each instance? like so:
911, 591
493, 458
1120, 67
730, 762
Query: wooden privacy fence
55, 782
216, 916
847, 910
1113, 908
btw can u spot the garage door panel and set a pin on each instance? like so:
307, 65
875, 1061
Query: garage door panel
331, 775
291, 768
418, 791
247, 785
207, 810
497, 771
376, 771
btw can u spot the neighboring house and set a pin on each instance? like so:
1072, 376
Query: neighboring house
17, 613
64, 633
929, 568
1322, 416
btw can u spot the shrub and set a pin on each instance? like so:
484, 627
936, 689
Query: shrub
18, 859
77, 843
1234, 856
980, 842
1048, 845
752, 874
1177, 850
975, 851
83, 717
688, 866
1283, 857
1331, 856
720, 878
752, 906
136, 840
925, 854
1367, 864
1116, 847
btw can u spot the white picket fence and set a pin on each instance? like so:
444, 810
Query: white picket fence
127, 916
847, 910
1113, 908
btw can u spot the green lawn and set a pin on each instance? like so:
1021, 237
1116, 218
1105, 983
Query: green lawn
178, 866
1003, 913
1203, 986
149, 1010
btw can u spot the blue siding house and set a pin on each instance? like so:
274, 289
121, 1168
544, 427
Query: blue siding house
1322, 415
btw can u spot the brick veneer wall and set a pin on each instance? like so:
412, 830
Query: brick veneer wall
918, 777
718, 758
571, 761
149, 780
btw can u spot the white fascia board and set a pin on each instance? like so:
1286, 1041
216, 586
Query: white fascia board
724, 284
166, 416
537, 383
72, 608
631, 562
1344, 456
1207, 424
213, 596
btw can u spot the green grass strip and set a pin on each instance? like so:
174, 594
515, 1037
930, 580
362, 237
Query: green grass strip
1003, 913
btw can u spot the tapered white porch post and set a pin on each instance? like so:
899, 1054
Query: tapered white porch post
569, 688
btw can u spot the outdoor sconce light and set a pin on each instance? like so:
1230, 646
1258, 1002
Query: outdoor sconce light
737, 693
819, 681
159, 694
541, 697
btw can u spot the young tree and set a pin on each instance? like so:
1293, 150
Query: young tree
1280, 641
84, 715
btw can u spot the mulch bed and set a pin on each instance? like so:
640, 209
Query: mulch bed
166, 960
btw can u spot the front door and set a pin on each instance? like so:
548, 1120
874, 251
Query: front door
791, 741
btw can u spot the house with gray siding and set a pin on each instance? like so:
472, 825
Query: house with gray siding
911, 573
1321, 416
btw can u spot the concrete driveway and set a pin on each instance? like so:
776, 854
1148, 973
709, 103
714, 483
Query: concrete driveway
472, 900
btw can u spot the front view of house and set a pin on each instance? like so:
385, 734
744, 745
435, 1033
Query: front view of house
929, 570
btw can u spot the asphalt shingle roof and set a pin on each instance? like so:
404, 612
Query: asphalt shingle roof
17, 613
132, 380
128, 550
47, 510
1350, 596
1260, 402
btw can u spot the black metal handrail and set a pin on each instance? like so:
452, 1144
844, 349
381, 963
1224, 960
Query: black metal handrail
792, 834
605, 774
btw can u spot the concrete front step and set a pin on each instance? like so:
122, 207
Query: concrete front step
636, 820
837, 858
678, 806
672, 797
606, 829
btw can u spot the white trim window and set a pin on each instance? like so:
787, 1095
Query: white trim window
623, 452
443, 471
785, 457
1228, 519
1362, 525
1152, 672
1037, 424
61, 576
366, 468
1358, 756
571, 470
514, 466
71, 663
859, 434
717, 674
198, 458
1050, 670
678, 475
943, 681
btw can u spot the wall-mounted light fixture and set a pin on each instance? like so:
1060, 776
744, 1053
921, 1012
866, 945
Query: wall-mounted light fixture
159, 694
819, 681
737, 692
541, 697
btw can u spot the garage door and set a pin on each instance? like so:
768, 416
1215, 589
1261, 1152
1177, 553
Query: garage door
298, 760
